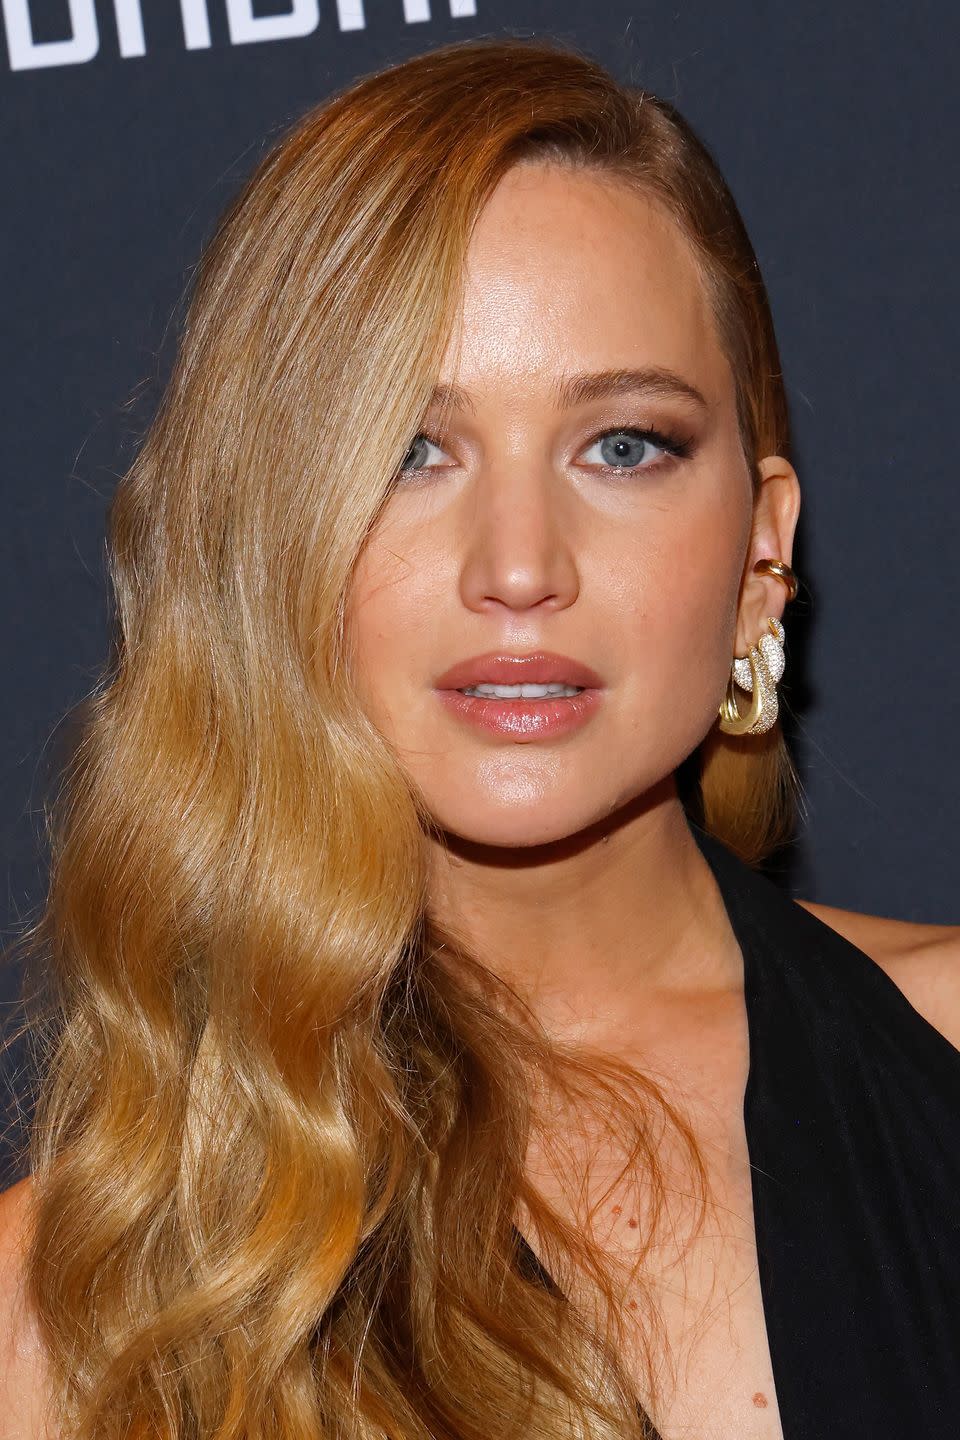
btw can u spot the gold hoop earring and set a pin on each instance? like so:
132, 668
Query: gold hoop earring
783, 572
757, 673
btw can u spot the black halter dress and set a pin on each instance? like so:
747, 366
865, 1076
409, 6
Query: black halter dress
852, 1117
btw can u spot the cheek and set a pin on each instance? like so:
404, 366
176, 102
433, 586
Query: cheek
388, 624
367, 632
678, 594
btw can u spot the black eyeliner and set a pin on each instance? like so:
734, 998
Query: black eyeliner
672, 444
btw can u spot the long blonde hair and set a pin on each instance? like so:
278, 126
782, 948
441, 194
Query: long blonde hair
279, 1145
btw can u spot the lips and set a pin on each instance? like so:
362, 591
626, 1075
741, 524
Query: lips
501, 668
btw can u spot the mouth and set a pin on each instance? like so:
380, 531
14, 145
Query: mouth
521, 697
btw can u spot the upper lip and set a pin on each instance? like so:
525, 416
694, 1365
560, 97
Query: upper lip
542, 667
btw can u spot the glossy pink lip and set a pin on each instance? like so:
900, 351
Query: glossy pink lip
521, 719
501, 668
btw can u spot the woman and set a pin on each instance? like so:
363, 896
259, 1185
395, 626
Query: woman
399, 1082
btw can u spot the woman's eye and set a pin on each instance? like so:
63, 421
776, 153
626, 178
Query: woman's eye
630, 449
417, 457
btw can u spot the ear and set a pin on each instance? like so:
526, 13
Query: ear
775, 513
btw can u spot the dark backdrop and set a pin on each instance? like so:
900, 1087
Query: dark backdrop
128, 124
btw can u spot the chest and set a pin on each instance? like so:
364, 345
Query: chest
715, 1377
699, 1277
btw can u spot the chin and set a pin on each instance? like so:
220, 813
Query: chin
509, 827
513, 837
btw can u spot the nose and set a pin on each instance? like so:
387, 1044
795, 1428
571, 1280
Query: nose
519, 541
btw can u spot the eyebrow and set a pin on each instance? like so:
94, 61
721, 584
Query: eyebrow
653, 381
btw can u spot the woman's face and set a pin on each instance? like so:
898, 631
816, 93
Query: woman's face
551, 514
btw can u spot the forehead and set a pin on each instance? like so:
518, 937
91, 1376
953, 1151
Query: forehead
569, 270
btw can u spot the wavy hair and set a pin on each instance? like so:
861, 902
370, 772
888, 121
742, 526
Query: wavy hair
279, 1145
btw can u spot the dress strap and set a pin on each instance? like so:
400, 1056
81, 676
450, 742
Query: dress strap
852, 1118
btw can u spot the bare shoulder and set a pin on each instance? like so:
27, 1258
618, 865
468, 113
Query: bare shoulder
923, 961
21, 1352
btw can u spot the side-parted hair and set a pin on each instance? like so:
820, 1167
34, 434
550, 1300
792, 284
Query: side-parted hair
279, 1146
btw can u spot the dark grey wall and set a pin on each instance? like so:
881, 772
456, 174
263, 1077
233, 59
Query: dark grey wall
837, 127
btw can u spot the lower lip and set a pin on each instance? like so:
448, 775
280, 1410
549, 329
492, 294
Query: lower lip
523, 719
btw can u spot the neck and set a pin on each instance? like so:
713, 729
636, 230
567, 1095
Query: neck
587, 928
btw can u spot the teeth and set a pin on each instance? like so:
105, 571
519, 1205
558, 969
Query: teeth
521, 692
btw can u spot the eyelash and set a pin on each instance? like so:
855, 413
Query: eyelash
673, 444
